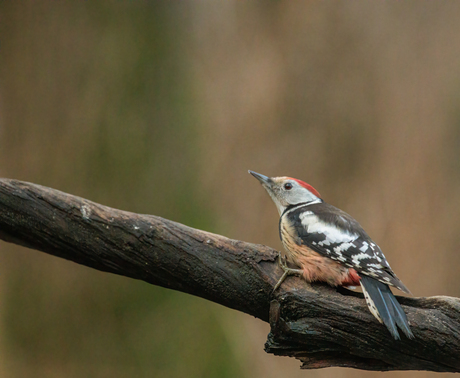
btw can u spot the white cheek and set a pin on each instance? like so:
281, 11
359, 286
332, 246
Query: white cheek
299, 195
279, 206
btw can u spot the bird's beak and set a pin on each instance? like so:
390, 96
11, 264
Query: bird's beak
264, 180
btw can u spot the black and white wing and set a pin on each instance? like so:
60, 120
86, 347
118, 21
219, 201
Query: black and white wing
334, 234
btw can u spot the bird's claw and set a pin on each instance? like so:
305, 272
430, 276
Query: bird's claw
287, 271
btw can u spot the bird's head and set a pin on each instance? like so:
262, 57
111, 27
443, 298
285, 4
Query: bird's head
287, 191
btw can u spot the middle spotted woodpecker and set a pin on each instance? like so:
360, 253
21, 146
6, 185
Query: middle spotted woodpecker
330, 246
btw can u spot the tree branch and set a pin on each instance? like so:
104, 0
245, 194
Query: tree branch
317, 324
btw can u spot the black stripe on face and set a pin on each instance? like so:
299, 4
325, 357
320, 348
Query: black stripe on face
299, 205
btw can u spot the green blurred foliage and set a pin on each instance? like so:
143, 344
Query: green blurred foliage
103, 110
162, 107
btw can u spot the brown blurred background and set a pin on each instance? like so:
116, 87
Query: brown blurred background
162, 107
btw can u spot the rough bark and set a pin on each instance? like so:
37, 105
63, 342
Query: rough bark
319, 325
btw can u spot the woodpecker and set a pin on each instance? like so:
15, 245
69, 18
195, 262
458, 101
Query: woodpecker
330, 246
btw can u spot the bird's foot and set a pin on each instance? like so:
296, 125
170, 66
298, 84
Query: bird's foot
287, 271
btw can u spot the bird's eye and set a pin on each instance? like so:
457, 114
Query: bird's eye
288, 186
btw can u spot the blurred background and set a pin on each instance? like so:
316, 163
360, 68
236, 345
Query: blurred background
162, 107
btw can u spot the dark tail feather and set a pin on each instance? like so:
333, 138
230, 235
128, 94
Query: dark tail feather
400, 316
380, 299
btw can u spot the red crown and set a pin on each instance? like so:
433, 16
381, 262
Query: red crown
308, 187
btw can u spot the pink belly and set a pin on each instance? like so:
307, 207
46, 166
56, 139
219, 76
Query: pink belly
318, 268
315, 266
